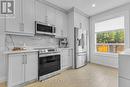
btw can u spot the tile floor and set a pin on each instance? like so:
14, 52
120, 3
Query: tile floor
92, 75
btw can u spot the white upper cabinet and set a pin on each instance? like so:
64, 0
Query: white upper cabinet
77, 20
14, 22
65, 25
40, 12
23, 19
61, 24
28, 16
51, 15
45, 13
80, 21
29, 11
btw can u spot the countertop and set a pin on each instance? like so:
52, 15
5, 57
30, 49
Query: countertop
16, 52
64, 48
30, 50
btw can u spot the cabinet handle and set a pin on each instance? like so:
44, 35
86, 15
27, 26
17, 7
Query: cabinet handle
80, 25
25, 59
69, 52
21, 25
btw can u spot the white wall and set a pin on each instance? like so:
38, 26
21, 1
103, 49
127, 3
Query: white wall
109, 59
2, 46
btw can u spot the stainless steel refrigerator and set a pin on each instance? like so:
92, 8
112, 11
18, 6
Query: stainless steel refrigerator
80, 48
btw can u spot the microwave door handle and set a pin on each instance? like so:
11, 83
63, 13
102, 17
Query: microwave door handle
54, 29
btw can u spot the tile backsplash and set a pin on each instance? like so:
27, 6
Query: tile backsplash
36, 41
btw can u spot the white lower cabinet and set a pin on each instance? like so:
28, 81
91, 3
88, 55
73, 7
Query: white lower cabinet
66, 58
31, 68
15, 69
124, 70
22, 67
124, 82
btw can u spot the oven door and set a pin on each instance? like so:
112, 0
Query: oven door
49, 64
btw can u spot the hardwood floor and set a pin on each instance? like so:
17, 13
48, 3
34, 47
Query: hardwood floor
91, 75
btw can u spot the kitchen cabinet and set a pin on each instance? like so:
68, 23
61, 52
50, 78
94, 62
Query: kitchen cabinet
77, 20
80, 21
124, 70
31, 68
22, 21
28, 16
40, 11
22, 67
66, 58
61, 24
45, 13
51, 15
14, 22
124, 82
15, 69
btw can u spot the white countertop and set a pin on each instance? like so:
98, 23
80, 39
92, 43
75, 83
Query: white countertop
64, 48
16, 52
126, 52
30, 50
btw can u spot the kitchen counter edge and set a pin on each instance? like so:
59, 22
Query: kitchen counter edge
17, 52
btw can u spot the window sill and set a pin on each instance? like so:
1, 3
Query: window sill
106, 54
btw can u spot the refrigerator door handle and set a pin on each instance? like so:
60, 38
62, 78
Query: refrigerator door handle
78, 42
82, 41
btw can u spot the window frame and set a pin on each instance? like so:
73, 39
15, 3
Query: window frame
108, 17
107, 43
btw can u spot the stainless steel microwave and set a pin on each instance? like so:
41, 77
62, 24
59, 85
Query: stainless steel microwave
42, 28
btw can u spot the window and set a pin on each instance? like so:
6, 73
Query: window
109, 35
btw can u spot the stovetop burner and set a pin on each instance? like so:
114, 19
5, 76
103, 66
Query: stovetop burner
47, 50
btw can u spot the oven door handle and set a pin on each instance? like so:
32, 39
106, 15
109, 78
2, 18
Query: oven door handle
49, 61
53, 54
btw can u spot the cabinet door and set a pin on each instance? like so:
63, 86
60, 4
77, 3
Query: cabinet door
15, 70
59, 24
40, 11
31, 66
65, 25
66, 58
28, 16
124, 64
51, 15
124, 82
77, 20
14, 21
70, 57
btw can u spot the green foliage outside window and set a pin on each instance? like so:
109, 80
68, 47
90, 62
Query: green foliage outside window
116, 36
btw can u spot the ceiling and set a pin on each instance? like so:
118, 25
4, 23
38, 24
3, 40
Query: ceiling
86, 5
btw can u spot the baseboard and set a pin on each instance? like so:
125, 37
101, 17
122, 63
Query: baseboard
3, 79
67, 68
104, 65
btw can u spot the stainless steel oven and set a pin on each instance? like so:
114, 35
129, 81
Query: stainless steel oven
42, 28
49, 64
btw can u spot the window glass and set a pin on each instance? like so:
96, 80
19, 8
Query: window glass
109, 35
